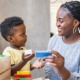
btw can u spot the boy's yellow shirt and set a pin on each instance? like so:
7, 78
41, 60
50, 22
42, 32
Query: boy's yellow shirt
16, 57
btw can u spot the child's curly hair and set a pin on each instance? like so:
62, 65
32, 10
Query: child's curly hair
6, 27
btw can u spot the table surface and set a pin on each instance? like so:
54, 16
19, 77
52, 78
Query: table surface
40, 79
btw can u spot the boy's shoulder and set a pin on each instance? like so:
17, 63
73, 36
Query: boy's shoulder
8, 48
11, 51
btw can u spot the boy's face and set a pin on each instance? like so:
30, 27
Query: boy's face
19, 36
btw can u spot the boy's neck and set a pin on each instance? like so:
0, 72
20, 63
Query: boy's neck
15, 47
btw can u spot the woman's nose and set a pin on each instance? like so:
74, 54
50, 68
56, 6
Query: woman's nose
58, 24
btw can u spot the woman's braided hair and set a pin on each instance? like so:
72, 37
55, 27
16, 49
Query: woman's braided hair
74, 8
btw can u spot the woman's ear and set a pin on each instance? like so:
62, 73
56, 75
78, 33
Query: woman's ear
76, 23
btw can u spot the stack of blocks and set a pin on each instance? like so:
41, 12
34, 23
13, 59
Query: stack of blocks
23, 75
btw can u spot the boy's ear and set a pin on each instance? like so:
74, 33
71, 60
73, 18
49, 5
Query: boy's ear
10, 39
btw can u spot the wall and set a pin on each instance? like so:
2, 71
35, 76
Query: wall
35, 14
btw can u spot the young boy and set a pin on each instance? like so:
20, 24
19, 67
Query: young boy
13, 30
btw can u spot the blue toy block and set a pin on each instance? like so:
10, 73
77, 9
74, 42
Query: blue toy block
40, 54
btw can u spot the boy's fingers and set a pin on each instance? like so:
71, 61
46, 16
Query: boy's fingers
39, 59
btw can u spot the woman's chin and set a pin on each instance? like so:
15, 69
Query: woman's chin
59, 34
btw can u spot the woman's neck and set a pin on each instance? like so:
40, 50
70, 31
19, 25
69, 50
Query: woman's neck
72, 38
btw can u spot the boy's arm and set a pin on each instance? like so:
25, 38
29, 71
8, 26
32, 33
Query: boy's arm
17, 67
37, 64
31, 67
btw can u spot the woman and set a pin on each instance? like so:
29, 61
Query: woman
65, 63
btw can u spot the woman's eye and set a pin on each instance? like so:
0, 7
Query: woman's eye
61, 21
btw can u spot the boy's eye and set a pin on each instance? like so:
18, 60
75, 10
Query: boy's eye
22, 34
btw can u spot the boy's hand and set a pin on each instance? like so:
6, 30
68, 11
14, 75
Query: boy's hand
37, 64
27, 57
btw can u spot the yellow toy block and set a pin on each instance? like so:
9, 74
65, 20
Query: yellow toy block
23, 72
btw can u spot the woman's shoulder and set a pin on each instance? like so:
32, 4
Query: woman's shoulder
55, 37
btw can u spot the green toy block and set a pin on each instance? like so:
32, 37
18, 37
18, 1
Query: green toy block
23, 79
1, 55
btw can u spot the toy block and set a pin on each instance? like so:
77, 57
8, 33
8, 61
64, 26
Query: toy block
23, 79
26, 52
23, 72
41, 54
22, 76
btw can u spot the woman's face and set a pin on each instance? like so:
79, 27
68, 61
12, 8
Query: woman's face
64, 22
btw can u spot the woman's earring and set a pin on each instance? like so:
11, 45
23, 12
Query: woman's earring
75, 30
79, 30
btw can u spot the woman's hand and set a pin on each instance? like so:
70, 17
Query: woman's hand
38, 64
57, 61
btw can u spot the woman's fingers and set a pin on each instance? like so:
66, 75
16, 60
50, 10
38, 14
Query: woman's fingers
55, 53
53, 64
50, 59
56, 60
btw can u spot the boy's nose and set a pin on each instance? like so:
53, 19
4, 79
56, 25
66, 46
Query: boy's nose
26, 37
